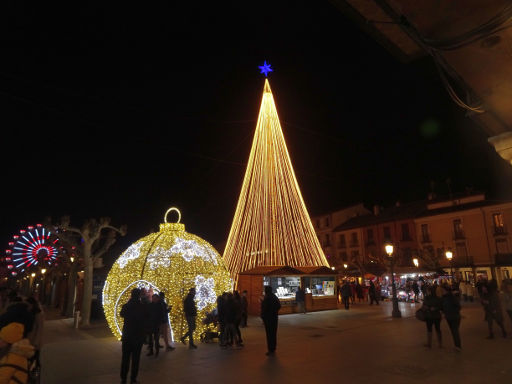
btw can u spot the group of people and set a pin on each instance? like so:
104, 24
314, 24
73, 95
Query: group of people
21, 330
231, 316
146, 319
348, 291
445, 299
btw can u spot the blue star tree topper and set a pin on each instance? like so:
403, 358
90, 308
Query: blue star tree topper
265, 69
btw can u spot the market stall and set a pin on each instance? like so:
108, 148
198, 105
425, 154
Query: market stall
319, 284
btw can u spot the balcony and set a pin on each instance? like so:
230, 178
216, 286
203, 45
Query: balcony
342, 245
354, 244
426, 239
370, 242
459, 235
500, 231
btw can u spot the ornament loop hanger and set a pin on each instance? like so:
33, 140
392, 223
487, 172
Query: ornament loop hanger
172, 209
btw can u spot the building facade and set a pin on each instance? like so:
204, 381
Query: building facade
473, 229
324, 227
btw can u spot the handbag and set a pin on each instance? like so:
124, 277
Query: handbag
421, 314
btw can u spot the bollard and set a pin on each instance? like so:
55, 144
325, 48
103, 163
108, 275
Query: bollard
77, 319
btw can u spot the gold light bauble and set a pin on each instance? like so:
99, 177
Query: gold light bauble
173, 261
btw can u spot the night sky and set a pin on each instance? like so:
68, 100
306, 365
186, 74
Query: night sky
125, 111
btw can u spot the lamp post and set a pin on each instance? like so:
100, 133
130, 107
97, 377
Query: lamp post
396, 312
449, 256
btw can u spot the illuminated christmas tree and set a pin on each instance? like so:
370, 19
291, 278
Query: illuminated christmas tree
271, 224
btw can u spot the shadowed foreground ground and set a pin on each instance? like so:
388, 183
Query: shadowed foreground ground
358, 346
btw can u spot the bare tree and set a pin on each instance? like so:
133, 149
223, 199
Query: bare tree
94, 238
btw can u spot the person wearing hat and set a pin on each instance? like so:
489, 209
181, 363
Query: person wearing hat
134, 314
16, 351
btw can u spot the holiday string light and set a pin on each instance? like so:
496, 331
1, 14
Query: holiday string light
271, 225
172, 261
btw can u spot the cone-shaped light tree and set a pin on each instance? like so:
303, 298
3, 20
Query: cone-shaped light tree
271, 224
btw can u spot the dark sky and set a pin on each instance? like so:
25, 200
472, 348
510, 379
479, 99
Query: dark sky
125, 111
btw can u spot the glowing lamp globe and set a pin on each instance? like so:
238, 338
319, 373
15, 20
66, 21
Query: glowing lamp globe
171, 261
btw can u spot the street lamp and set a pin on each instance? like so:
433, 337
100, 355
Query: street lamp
71, 259
345, 266
43, 271
389, 251
415, 262
449, 256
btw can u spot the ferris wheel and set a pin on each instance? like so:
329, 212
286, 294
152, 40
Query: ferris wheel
34, 246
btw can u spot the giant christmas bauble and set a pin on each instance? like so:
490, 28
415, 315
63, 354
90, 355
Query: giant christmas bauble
172, 261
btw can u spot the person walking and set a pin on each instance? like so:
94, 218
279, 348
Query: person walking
352, 292
433, 305
451, 310
359, 292
134, 313
190, 310
245, 308
373, 293
492, 307
345, 294
300, 297
164, 322
416, 291
270, 307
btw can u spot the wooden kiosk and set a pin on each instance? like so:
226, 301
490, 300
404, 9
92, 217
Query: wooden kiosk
318, 282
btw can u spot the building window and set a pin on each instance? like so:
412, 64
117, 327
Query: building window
369, 234
318, 223
327, 222
425, 234
327, 240
387, 233
499, 224
405, 232
458, 231
355, 256
342, 242
501, 246
343, 256
354, 241
461, 253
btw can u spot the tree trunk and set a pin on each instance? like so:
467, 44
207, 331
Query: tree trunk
87, 295
70, 297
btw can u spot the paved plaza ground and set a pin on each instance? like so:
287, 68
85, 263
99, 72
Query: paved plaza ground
362, 345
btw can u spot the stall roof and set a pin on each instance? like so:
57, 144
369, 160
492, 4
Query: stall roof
272, 270
280, 270
322, 270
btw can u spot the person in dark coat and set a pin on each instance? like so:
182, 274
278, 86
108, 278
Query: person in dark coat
221, 314
245, 308
270, 307
359, 292
238, 317
155, 316
492, 307
451, 310
353, 292
372, 292
416, 290
134, 315
190, 310
345, 294
433, 305
300, 298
